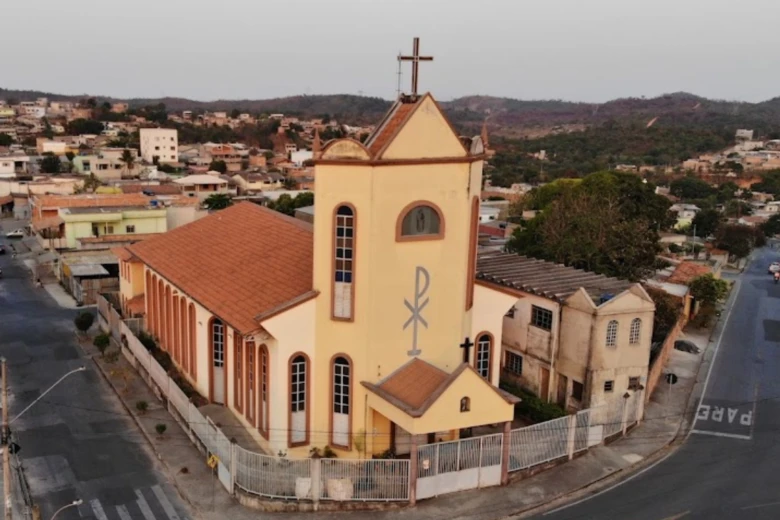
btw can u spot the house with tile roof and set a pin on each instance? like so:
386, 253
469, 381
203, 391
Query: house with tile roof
572, 337
366, 332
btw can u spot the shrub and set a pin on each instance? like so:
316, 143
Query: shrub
531, 406
84, 321
147, 341
328, 453
112, 357
102, 341
160, 428
142, 406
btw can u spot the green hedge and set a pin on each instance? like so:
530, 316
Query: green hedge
531, 406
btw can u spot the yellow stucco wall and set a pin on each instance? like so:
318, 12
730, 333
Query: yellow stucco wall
427, 134
80, 225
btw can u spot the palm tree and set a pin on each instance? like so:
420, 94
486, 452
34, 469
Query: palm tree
218, 201
129, 159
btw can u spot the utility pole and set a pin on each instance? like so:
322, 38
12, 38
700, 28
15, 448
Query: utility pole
6, 444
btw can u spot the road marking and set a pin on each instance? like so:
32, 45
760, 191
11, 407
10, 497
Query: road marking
680, 515
165, 503
760, 505
124, 514
143, 505
717, 349
98, 510
721, 434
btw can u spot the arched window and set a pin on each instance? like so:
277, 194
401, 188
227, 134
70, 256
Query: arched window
484, 351
217, 365
343, 262
612, 331
636, 331
264, 389
299, 396
218, 342
342, 405
420, 221
465, 405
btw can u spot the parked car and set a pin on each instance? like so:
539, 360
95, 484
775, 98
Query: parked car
774, 267
686, 346
19, 233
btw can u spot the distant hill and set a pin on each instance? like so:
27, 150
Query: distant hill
505, 116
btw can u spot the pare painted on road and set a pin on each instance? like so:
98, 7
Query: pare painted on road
725, 419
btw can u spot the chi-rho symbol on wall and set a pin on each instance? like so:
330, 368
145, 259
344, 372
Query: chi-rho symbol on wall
422, 281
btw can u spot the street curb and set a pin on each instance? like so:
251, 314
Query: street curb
137, 422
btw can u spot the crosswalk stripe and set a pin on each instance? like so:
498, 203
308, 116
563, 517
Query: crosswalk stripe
165, 503
143, 505
124, 514
98, 510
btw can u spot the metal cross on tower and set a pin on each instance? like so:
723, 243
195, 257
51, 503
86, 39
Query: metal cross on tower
415, 58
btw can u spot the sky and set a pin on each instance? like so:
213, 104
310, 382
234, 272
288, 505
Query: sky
578, 50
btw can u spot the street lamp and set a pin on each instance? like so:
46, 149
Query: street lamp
75, 503
79, 369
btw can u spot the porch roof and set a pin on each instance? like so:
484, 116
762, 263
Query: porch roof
417, 385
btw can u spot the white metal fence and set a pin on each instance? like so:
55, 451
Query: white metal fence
442, 468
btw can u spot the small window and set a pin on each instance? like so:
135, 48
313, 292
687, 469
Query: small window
514, 363
423, 220
609, 386
109, 230
156, 147
130, 229
465, 405
612, 330
633, 383
577, 390
541, 318
511, 313
636, 330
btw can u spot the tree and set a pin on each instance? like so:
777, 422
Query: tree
6, 140
218, 166
689, 188
84, 321
218, 201
85, 126
289, 183
235, 113
736, 208
667, 312
70, 155
128, 158
51, 164
726, 192
737, 239
772, 225
706, 222
708, 290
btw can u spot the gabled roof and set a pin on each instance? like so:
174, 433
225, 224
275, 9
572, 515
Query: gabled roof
416, 386
687, 271
395, 118
546, 279
239, 263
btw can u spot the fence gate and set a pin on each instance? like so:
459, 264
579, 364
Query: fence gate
447, 467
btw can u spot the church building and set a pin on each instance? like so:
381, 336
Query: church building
366, 332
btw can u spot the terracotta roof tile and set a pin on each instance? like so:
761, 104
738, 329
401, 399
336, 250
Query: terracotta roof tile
122, 253
687, 271
117, 238
231, 262
393, 122
90, 201
137, 305
414, 383
41, 223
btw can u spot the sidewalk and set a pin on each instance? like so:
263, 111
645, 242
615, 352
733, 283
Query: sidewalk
600, 466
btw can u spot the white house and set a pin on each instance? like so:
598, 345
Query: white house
160, 143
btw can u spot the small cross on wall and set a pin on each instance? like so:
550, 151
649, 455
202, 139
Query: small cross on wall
466, 346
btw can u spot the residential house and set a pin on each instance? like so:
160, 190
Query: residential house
257, 182
159, 145
685, 213
314, 350
14, 165
572, 337
204, 185
231, 156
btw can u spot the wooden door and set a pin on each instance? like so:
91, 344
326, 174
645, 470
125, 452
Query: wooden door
544, 386
563, 383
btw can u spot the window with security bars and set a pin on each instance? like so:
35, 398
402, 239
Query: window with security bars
218, 343
298, 385
264, 375
609, 386
541, 317
343, 267
341, 375
482, 362
636, 330
612, 331
514, 363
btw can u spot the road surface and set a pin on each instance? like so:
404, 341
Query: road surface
77, 442
730, 465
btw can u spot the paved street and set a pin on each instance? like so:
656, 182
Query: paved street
730, 465
77, 442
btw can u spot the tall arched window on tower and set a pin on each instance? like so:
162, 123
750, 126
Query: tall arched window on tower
299, 397
217, 339
344, 262
342, 403
636, 331
420, 220
612, 332
484, 352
